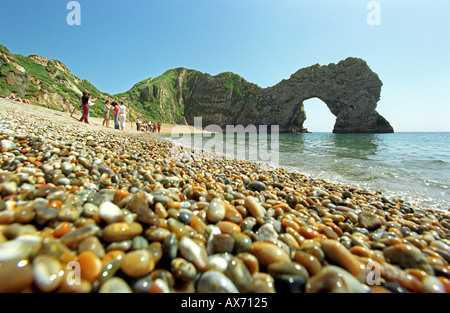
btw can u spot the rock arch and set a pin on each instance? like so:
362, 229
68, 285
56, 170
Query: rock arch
350, 89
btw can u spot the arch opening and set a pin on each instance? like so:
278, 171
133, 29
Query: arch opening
318, 116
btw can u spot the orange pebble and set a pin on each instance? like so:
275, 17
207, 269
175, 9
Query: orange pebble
228, 227
290, 223
308, 232
335, 228
361, 251
445, 282
419, 274
55, 204
198, 224
90, 265
310, 262
268, 253
174, 205
299, 238
233, 215
396, 231
285, 207
61, 229
113, 255
120, 195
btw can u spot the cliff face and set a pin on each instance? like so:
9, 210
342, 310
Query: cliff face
350, 89
44, 81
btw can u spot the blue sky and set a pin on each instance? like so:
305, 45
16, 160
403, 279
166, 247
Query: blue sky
120, 43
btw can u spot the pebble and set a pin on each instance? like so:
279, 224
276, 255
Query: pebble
216, 210
407, 256
45, 214
222, 243
431, 284
109, 270
19, 248
16, 275
109, 213
139, 243
47, 273
242, 242
369, 220
263, 283
115, 285
142, 285
138, 263
257, 186
68, 213
121, 231
268, 253
288, 269
170, 246
309, 262
124, 245
92, 244
289, 284
194, 253
90, 265
183, 269
267, 232
339, 255
238, 272
73, 238
254, 207
333, 279
215, 282
227, 227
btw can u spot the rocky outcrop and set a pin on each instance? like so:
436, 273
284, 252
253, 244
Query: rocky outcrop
42, 80
350, 89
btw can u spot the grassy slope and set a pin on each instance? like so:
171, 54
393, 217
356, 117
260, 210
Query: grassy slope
159, 99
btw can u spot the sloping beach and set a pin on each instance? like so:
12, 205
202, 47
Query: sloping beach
85, 208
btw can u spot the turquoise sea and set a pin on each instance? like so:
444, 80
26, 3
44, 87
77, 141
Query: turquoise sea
412, 166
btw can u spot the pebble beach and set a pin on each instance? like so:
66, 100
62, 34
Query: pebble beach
87, 209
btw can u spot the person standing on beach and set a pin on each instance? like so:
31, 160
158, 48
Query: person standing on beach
122, 115
116, 114
106, 114
85, 106
138, 124
159, 127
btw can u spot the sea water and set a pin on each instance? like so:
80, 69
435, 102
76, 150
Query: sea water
414, 167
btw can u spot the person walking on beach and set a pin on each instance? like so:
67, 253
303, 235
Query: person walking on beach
85, 106
159, 127
115, 106
106, 114
122, 115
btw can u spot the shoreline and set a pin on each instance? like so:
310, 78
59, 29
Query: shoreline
167, 129
72, 192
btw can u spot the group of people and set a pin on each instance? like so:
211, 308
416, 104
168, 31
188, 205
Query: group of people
13, 97
119, 111
148, 126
